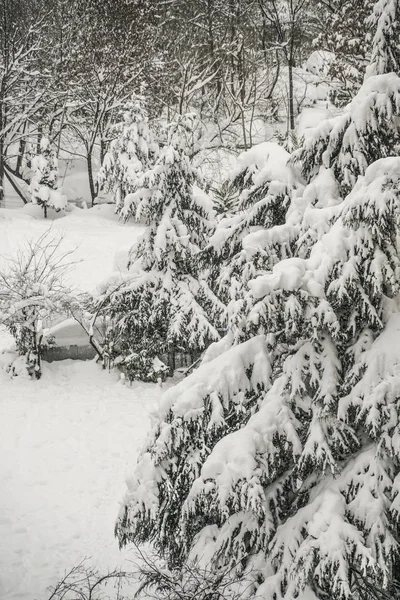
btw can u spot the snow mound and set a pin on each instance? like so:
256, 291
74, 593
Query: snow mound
269, 158
319, 62
311, 117
93, 236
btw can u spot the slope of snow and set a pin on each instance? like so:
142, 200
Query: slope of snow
67, 444
94, 235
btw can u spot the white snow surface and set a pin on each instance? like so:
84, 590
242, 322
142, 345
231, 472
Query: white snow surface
311, 116
319, 62
68, 441
67, 444
269, 158
94, 235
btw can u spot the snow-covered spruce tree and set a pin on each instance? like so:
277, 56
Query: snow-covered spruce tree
132, 152
44, 186
328, 312
348, 143
304, 496
245, 175
215, 400
385, 56
166, 303
279, 217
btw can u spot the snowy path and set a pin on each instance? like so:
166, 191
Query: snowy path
67, 444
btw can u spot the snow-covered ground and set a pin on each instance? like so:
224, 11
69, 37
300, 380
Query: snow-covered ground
96, 237
67, 444
68, 441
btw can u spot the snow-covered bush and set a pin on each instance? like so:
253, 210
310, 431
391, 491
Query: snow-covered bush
140, 365
132, 152
280, 457
32, 292
44, 186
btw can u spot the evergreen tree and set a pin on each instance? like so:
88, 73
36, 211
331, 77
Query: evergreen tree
383, 22
166, 304
264, 182
131, 153
302, 495
348, 143
44, 187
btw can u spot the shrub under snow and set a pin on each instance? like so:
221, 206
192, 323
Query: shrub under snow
32, 293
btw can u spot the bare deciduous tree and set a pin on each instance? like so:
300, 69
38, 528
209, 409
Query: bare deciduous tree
32, 292
83, 582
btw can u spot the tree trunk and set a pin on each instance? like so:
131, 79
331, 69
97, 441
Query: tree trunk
2, 144
38, 351
243, 119
39, 138
211, 44
291, 97
16, 188
3, 112
2, 173
171, 359
90, 175
102, 150
21, 150
61, 129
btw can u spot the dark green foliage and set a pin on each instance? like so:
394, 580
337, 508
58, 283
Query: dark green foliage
303, 494
166, 302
